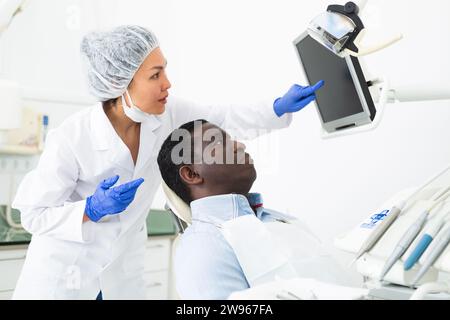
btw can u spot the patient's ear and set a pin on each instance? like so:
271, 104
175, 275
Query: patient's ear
189, 175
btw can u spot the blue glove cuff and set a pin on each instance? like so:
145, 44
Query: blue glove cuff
277, 108
89, 210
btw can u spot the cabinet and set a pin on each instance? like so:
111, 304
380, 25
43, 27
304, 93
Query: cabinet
157, 267
11, 262
156, 276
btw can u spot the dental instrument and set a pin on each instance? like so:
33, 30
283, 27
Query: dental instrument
404, 243
442, 243
386, 222
410, 234
430, 233
380, 230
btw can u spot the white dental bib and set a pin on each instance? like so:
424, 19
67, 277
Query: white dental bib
269, 251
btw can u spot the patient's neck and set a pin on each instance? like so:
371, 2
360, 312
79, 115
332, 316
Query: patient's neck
203, 191
246, 195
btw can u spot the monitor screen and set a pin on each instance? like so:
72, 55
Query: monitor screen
338, 98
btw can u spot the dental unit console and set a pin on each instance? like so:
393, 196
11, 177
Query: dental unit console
415, 248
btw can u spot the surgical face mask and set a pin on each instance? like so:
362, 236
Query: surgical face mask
132, 111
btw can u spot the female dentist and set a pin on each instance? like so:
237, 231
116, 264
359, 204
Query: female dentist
87, 201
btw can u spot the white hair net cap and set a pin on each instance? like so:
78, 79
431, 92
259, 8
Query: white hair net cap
112, 58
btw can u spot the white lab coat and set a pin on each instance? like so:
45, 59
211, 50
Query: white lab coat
68, 259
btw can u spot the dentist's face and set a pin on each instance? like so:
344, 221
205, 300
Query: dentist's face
224, 165
150, 85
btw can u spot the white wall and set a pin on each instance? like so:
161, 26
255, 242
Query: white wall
237, 51
40, 50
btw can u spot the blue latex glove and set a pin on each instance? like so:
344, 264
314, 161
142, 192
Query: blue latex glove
296, 98
107, 200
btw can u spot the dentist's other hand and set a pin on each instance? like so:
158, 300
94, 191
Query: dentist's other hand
296, 98
108, 200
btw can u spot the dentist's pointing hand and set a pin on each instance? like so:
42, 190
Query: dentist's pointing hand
108, 200
296, 98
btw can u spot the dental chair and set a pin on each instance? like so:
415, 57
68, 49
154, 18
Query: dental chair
181, 213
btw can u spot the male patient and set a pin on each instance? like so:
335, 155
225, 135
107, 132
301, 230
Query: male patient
213, 174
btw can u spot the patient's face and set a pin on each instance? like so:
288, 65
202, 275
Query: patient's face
221, 161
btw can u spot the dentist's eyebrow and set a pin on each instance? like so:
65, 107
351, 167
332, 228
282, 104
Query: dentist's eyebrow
160, 67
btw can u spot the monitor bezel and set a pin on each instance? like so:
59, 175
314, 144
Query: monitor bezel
354, 120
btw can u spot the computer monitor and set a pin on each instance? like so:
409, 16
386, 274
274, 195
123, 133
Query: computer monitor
345, 101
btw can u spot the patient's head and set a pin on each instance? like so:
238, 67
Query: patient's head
199, 159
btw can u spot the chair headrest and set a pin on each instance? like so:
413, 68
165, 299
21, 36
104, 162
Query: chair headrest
176, 204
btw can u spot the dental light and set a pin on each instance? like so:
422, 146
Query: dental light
341, 30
